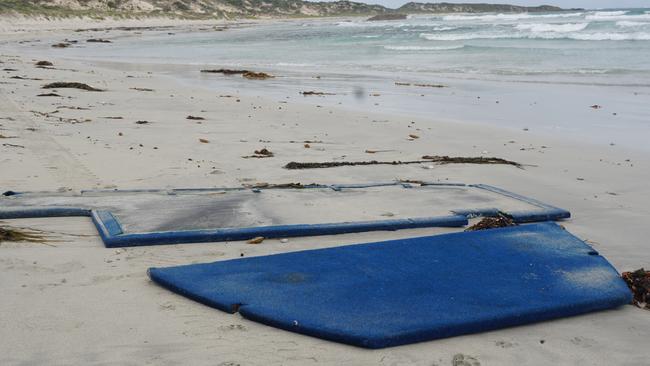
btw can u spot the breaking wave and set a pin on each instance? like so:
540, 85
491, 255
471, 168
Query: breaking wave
629, 24
616, 15
602, 36
492, 17
555, 28
423, 48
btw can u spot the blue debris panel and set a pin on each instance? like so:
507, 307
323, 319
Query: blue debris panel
411, 290
126, 218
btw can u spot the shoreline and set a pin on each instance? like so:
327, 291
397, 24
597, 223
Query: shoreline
78, 302
525, 102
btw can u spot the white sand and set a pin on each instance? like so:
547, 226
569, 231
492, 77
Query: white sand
75, 302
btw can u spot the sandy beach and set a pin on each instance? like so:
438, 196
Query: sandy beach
71, 301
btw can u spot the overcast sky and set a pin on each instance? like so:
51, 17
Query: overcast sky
591, 4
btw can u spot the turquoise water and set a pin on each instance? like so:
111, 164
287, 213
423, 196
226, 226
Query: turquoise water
598, 46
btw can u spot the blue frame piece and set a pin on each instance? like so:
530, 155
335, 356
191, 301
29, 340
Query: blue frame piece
113, 236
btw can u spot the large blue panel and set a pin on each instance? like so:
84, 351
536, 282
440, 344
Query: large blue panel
403, 291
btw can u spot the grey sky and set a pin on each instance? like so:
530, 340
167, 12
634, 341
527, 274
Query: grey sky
590, 4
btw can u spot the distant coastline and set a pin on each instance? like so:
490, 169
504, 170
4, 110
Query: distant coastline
239, 9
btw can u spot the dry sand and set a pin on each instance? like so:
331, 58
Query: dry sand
75, 302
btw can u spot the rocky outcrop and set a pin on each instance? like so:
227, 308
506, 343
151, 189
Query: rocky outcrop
388, 16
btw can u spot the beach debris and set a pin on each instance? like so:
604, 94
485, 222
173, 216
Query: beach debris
118, 117
195, 118
470, 160
422, 85
13, 145
73, 108
62, 45
9, 69
44, 63
257, 75
333, 164
639, 283
311, 92
142, 89
431, 86
414, 137
264, 152
245, 73
307, 146
260, 154
377, 151
98, 40
143, 122
425, 159
49, 95
23, 78
256, 240
596, 106
19, 234
70, 85
225, 71
501, 220
204, 141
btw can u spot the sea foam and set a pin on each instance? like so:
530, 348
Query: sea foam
552, 27
423, 48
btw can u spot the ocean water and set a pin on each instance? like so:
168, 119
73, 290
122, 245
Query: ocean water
569, 45
538, 71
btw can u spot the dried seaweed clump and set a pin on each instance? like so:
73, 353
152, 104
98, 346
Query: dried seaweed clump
17, 234
492, 223
257, 75
70, 85
469, 160
639, 283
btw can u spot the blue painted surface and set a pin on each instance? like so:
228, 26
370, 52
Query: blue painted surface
113, 235
26, 213
404, 291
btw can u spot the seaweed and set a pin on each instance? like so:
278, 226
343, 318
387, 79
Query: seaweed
639, 283
70, 85
425, 159
19, 234
501, 220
